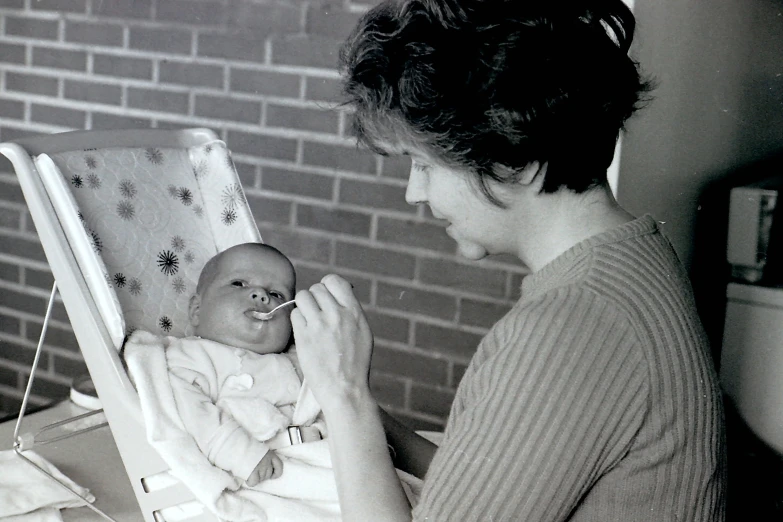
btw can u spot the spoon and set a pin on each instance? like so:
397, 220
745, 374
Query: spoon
265, 316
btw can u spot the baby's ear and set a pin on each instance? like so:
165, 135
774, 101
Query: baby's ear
194, 307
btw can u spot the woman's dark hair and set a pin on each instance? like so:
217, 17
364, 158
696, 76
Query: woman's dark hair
491, 86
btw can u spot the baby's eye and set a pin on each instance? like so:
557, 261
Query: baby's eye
277, 295
238, 284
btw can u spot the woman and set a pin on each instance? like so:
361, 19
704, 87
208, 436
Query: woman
595, 397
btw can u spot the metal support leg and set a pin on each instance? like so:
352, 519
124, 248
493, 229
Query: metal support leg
27, 441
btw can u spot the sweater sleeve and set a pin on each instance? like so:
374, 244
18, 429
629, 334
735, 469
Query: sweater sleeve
559, 394
224, 442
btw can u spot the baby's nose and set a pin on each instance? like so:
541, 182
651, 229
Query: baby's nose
260, 295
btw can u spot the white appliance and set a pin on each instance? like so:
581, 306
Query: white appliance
750, 222
751, 370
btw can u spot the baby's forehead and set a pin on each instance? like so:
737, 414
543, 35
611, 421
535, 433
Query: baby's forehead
256, 260
249, 253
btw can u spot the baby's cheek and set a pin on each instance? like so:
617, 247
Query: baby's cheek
284, 333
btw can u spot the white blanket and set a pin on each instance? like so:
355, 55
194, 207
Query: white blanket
27, 495
305, 492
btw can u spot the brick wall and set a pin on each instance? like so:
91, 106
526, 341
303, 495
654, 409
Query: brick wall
262, 75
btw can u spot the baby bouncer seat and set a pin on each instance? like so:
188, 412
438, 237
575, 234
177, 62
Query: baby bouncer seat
127, 219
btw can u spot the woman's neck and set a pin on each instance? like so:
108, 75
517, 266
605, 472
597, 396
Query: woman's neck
556, 222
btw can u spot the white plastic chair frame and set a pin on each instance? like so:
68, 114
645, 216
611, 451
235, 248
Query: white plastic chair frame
111, 382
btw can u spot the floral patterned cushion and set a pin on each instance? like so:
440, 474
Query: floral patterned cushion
151, 218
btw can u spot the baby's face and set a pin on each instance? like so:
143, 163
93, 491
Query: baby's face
248, 279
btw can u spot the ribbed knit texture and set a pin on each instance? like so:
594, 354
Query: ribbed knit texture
594, 399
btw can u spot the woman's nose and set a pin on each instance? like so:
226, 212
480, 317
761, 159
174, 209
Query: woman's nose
416, 193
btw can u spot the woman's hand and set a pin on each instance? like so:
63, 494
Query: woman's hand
334, 345
333, 341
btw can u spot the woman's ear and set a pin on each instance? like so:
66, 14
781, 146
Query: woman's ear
534, 171
194, 307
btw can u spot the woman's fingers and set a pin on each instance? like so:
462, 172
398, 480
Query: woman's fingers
340, 289
332, 293
333, 340
298, 322
326, 301
306, 305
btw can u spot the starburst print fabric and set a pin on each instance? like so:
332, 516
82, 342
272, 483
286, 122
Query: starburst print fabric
149, 219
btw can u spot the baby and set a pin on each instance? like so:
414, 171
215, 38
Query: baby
234, 383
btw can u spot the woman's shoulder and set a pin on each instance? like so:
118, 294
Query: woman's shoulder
568, 323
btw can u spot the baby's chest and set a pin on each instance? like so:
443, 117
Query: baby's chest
273, 380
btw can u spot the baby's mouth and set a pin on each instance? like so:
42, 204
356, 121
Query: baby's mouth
258, 315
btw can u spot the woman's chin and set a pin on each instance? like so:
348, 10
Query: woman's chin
471, 251
466, 249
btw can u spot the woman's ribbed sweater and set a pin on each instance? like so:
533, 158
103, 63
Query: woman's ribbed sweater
593, 399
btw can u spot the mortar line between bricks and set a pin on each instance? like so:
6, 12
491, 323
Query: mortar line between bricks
419, 318
28, 110
426, 385
129, 52
33, 345
3, 206
373, 288
417, 286
50, 375
9, 177
22, 234
179, 88
193, 44
155, 80
406, 394
308, 169
28, 54
450, 375
369, 242
328, 204
47, 16
63, 353
341, 124
24, 262
60, 29
406, 249
458, 308
432, 419
31, 318
35, 400
374, 227
421, 352
225, 70
303, 89
36, 127
268, 51
23, 343
29, 290
8, 390
196, 121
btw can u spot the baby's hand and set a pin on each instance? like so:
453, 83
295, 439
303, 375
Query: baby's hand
269, 467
